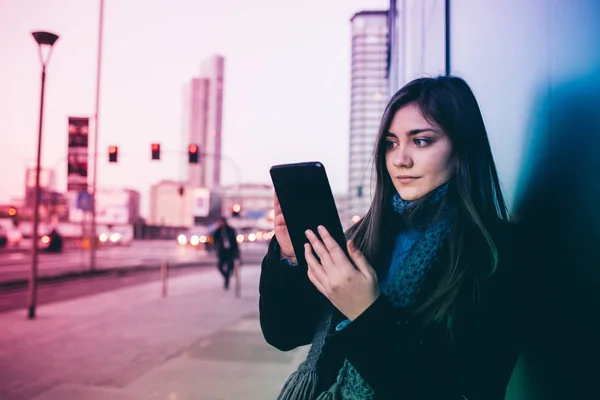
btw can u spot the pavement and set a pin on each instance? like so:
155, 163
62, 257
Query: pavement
199, 342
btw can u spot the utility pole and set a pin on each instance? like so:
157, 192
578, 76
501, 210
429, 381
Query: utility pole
96, 131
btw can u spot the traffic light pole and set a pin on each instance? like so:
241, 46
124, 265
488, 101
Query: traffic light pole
96, 131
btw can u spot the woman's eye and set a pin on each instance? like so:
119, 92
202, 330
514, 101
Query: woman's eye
422, 142
390, 144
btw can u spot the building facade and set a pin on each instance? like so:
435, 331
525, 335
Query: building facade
534, 67
203, 115
116, 207
369, 88
171, 204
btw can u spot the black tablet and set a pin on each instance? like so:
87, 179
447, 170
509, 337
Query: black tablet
306, 202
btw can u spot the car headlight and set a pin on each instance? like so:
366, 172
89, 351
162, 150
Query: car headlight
103, 237
194, 240
182, 240
240, 238
115, 237
251, 237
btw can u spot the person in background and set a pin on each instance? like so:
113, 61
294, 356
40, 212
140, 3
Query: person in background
228, 250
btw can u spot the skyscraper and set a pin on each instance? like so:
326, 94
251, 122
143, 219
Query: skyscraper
203, 112
369, 93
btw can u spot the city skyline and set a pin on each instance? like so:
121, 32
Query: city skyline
286, 98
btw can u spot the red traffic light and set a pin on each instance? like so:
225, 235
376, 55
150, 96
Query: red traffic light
112, 153
193, 154
235, 210
155, 151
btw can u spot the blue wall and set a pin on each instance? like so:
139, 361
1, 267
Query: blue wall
535, 68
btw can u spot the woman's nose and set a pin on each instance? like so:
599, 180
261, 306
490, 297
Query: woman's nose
402, 157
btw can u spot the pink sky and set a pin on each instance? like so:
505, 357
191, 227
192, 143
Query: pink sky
287, 83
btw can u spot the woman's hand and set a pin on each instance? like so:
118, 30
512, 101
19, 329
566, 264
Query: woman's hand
282, 234
351, 290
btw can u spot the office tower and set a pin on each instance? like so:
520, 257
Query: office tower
203, 113
369, 87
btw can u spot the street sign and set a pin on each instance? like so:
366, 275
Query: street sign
84, 200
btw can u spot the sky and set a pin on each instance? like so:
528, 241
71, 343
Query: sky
286, 89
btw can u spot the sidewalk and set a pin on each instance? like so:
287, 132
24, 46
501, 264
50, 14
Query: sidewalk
200, 342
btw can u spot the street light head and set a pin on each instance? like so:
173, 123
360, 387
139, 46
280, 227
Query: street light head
45, 38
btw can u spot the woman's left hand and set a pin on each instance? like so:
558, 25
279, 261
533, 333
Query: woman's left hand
351, 290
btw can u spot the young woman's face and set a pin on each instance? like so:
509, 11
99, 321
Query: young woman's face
419, 155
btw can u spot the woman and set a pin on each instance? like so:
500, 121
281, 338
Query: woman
428, 305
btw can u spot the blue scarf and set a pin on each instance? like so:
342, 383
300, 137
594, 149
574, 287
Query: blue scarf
413, 255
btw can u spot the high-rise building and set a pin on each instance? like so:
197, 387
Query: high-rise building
369, 93
203, 112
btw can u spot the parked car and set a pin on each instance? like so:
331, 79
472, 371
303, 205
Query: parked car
52, 242
3, 237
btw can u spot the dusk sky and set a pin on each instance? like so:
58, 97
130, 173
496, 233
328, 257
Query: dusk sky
287, 84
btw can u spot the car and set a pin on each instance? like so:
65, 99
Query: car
116, 236
251, 234
200, 238
3, 237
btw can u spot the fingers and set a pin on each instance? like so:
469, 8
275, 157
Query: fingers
316, 271
319, 247
359, 259
334, 248
278, 219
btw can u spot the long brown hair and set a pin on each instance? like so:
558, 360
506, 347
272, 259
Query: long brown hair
448, 102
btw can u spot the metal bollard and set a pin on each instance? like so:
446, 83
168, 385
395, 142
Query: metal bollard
236, 275
164, 272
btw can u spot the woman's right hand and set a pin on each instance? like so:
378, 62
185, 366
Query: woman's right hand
282, 234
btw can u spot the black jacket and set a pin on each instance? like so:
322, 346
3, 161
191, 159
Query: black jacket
392, 350
233, 251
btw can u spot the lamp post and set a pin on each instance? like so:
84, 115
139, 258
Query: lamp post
45, 42
96, 130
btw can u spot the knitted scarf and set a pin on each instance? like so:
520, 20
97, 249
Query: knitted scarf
407, 271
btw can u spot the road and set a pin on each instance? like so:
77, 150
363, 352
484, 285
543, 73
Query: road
15, 265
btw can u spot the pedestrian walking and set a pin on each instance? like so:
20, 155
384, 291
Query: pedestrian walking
228, 250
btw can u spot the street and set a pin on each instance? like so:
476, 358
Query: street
15, 266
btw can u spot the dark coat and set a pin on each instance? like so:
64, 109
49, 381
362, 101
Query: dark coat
233, 251
394, 352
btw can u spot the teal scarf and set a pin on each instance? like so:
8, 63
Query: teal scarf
405, 278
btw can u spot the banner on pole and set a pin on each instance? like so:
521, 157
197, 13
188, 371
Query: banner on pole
77, 156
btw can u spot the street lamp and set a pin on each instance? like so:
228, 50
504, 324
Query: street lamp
45, 42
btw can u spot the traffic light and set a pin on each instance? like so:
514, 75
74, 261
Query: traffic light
155, 151
113, 153
193, 154
235, 210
